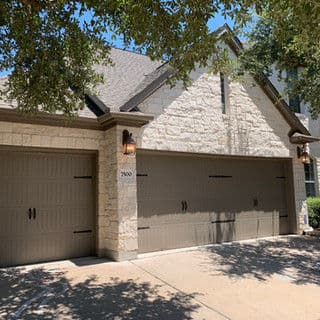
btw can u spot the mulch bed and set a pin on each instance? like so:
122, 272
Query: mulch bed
314, 233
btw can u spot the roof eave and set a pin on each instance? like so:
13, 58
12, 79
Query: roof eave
133, 102
298, 138
43, 118
267, 86
96, 105
124, 119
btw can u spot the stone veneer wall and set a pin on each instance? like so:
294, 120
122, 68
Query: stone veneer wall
186, 121
192, 121
316, 167
313, 126
121, 231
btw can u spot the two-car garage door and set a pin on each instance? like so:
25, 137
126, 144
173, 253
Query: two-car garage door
47, 202
46, 206
187, 201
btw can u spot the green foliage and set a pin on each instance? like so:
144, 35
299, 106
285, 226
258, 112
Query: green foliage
53, 45
287, 36
49, 53
314, 211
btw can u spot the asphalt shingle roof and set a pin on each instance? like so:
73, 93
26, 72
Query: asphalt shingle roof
129, 69
122, 80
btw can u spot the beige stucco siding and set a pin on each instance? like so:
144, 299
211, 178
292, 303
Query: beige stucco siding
192, 121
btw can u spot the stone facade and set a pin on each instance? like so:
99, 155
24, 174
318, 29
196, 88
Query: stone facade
185, 121
313, 125
121, 207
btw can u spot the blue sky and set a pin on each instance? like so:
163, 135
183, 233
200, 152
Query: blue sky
213, 24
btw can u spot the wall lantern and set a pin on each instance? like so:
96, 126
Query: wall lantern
303, 154
129, 145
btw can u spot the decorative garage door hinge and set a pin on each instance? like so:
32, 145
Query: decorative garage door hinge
83, 177
223, 221
83, 231
220, 176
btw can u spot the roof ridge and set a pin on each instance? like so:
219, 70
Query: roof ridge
134, 52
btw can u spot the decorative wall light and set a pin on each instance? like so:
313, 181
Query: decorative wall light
129, 145
303, 154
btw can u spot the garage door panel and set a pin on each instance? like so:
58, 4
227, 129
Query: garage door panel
62, 219
59, 203
14, 192
13, 221
246, 226
46, 247
171, 236
223, 231
227, 199
175, 217
268, 223
283, 224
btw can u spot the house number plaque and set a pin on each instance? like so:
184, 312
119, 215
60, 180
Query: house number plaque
126, 175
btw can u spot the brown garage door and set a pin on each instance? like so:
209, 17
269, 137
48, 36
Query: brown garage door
46, 206
187, 201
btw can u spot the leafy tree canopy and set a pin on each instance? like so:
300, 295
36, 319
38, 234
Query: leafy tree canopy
286, 36
51, 46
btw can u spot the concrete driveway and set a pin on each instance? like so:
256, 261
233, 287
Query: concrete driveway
275, 278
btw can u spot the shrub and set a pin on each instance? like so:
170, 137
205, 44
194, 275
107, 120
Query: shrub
314, 211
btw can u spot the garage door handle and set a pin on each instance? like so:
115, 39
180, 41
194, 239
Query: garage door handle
30, 213
34, 213
184, 206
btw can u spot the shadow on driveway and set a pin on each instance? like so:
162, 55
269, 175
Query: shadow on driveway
40, 294
297, 258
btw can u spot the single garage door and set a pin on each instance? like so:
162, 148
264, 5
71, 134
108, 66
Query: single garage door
187, 201
46, 206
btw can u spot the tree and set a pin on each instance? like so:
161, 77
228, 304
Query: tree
51, 46
286, 36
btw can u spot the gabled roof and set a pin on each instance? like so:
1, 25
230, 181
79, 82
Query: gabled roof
155, 79
133, 77
267, 86
127, 72
150, 84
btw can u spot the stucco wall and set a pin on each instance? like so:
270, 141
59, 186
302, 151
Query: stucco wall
192, 121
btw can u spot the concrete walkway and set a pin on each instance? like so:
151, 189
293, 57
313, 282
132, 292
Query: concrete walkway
276, 278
